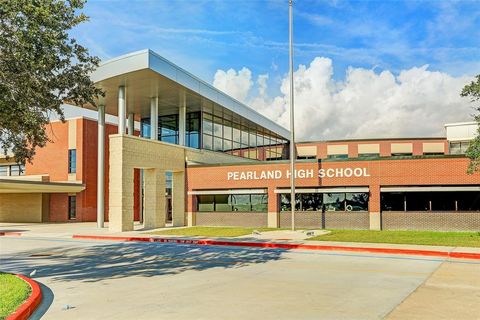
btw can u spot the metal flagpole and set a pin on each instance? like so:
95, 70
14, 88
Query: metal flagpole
292, 122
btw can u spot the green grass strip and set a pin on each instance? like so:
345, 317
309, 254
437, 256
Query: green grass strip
211, 231
13, 292
432, 238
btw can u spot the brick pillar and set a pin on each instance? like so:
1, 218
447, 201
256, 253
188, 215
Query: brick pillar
191, 210
273, 219
155, 185
120, 189
178, 199
374, 208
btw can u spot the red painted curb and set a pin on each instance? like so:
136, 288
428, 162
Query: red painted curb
417, 252
26, 309
8, 233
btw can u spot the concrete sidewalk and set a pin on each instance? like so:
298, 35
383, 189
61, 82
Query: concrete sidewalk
280, 237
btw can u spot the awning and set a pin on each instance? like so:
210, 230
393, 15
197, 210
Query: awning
24, 186
325, 190
230, 191
430, 189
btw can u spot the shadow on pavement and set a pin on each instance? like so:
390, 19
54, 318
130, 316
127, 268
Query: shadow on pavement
119, 260
47, 299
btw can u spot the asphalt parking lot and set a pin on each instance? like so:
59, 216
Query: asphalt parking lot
114, 280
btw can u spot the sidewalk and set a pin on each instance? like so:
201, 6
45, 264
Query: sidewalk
282, 239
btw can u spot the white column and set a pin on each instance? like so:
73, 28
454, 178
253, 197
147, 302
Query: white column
101, 167
131, 124
154, 118
122, 110
182, 115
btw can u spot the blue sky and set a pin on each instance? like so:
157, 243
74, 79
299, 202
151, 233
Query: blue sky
203, 36
384, 42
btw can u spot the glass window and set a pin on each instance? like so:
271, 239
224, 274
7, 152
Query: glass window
368, 155
72, 161
217, 127
468, 201
311, 201
459, 147
3, 170
356, 201
222, 203
168, 128
227, 130
393, 201
240, 202
72, 207
206, 203
337, 156
334, 201
285, 202
217, 144
227, 145
417, 201
207, 142
207, 124
236, 133
244, 140
259, 202
145, 127
252, 139
443, 201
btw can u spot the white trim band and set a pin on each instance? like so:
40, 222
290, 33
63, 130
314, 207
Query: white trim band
430, 188
231, 191
325, 190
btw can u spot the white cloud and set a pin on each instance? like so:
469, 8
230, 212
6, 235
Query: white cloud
236, 84
366, 104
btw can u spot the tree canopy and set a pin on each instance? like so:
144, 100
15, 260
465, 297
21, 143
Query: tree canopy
472, 91
41, 66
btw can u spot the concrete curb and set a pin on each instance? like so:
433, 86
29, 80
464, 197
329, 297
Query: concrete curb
28, 306
287, 246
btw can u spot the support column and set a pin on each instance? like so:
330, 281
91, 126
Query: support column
154, 118
140, 194
154, 193
122, 110
178, 199
191, 210
131, 124
182, 118
374, 208
101, 167
273, 218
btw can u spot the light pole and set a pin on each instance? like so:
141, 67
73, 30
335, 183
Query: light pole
292, 122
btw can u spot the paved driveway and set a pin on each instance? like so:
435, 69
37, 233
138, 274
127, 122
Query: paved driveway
110, 280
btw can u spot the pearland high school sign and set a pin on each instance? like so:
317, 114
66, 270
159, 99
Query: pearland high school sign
300, 174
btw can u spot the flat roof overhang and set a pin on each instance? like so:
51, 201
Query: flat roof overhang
24, 186
146, 74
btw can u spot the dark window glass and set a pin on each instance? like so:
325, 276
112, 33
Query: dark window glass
3, 170
392, 201
442, 201
285, 202
417, 201
193, 130
311, 201
206, 203
468, 201
356, 201
168, 128
334, 201
145, 127
401, 154
368, 155
337, 156
72, 207
72, 161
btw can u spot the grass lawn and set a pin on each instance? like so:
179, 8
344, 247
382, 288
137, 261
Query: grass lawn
13, 291
211, 231
450, 239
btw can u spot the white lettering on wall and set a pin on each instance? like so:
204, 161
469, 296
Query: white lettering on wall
300, 174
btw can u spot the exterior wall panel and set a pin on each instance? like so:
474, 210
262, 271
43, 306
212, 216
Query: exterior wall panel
434, 221
233, 219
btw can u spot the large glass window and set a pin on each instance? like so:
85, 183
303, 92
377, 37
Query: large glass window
233, 202
168, 128
334, 201
459, 147
393, 201
468, 201
356, 201
72, 161
145, 127
193, 130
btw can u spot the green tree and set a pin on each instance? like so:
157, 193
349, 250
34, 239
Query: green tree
472, 91
41, 66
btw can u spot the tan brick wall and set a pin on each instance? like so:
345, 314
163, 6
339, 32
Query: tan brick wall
435, 221
21, 207
234, 219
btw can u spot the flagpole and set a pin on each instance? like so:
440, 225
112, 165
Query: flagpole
292, 122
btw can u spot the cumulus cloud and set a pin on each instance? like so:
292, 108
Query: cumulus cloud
366, 104
236, 84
